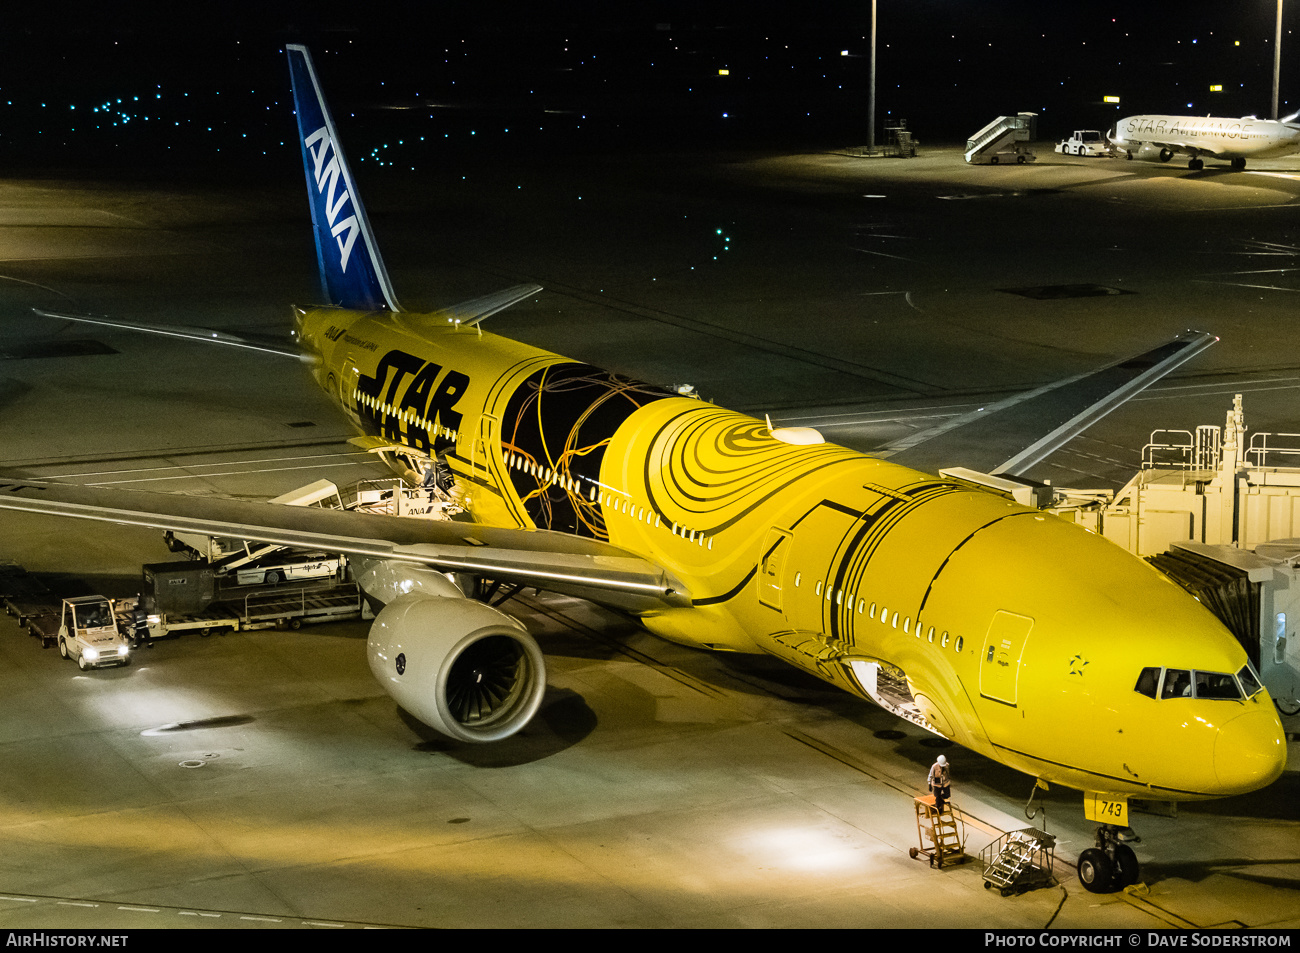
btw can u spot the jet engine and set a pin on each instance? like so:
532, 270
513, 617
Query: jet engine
460, 666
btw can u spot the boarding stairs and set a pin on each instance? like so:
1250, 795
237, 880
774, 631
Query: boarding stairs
999, 136
1019, 860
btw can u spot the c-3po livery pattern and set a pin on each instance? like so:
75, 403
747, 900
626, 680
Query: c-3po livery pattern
851, 568
988, 622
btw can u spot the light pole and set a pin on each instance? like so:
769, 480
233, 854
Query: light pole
1277, 56
871, 95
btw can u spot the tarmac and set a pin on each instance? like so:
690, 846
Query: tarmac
264, 780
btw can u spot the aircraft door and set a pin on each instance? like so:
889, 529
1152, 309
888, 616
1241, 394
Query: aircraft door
348, 383
771, 568
1003, 648
481, 450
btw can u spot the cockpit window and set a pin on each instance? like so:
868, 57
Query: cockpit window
1178, 683
1216, 685
1249, 683
1148, 682
1184, 683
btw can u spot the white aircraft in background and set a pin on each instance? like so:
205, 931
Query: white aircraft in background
1235, 140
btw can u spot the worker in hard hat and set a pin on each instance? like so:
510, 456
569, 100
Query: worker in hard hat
140, 624
938, 782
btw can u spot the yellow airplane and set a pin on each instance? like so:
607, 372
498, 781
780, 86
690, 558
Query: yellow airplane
940, 598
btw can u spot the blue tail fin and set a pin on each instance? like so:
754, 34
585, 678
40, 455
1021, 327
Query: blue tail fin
351, 272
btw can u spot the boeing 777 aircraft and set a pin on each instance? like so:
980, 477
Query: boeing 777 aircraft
1009, 631
1235, 140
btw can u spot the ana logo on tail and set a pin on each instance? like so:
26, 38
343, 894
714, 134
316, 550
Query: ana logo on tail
352, 274
327, 173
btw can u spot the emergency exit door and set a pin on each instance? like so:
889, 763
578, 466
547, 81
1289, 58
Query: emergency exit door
1004, 647
771, 569
348, 384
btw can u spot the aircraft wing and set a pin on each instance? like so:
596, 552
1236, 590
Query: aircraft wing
554, 561
1186, 148
1012, 435
1171, 146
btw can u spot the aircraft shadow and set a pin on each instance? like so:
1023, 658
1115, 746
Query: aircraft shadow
1235, 867
1280, 801
564, 720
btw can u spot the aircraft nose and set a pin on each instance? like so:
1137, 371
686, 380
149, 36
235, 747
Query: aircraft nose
1250, 752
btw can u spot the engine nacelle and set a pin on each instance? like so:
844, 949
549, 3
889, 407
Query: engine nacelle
459, 666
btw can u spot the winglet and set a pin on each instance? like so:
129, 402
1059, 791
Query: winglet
351, 271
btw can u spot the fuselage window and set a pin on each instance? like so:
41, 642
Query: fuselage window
895, 620
884, 616
907, 625
945, 640
861, 603
819, 587
872, 613
957, 646
918, 632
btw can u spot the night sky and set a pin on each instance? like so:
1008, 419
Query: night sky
163, 86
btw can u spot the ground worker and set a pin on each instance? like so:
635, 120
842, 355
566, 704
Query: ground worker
140, 624
938, 782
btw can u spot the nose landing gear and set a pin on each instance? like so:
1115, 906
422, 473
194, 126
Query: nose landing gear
1111, 865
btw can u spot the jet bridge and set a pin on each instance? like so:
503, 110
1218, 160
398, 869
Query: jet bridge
1209, 486
1257, 596
1005, 139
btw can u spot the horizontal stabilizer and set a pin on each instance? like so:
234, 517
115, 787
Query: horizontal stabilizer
1012, 435
206, 335
469, 313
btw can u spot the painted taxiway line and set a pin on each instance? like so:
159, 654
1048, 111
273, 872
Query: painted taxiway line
161, 913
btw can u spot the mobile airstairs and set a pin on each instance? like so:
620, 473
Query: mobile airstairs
1005, 139
1019, 860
